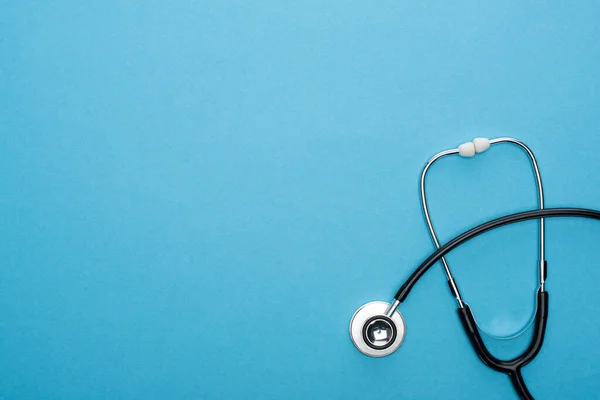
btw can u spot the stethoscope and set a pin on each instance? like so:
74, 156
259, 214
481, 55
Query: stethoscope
377, 328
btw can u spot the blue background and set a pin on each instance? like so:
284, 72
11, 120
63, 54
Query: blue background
196, 196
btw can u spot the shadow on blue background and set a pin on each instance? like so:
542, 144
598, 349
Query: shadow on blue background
196, 196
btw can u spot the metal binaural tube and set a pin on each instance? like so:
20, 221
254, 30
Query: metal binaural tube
434, 237
540, 191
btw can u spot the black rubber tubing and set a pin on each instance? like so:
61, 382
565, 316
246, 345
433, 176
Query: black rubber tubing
510, 367
485, 227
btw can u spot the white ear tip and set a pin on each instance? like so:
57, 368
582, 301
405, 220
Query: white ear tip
466, 149
481, 144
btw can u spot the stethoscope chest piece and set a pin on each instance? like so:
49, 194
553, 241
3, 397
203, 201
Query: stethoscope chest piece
374, 333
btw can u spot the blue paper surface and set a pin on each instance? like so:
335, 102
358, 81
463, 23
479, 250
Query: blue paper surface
196, 196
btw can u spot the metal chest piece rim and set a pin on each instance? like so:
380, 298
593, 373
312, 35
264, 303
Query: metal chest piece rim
375, 334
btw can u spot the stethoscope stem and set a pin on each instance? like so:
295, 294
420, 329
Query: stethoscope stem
392, 308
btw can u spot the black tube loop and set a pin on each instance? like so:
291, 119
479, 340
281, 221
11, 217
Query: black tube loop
510, 367
513, 366
485, 227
